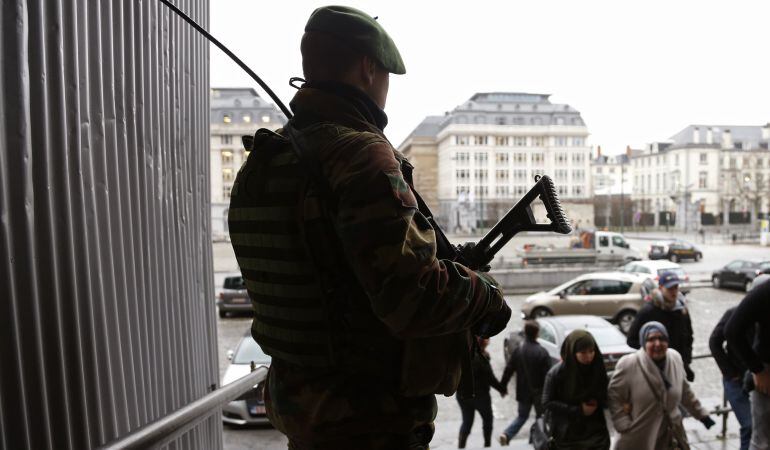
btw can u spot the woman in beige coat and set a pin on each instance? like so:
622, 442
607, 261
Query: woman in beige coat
645, 392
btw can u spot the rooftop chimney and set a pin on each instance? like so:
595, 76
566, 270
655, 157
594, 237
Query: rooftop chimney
727, 139
628, 151
709, 136
696, 135
598, 152
766, 131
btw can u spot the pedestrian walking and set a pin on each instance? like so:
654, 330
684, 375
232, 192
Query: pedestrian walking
575, 395
483, 379
668, 306
733, 370
530, 363
754, 312
364, 319
645, 392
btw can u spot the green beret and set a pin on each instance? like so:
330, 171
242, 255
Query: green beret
361, 31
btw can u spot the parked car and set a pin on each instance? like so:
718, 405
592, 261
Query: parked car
654, 269
616, 296
233, 297
248, 409
740, 273
674, 250
553, 331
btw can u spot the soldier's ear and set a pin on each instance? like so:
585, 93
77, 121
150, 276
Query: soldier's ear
368, 67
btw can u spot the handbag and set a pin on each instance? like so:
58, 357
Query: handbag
677, 437
540, 435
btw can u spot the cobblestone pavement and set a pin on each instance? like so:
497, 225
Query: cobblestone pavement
706, 305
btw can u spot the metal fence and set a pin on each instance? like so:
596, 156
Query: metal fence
106, 316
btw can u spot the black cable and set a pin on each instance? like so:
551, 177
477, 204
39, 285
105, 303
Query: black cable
238, 61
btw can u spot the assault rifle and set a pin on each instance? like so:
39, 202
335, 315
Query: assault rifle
477, 256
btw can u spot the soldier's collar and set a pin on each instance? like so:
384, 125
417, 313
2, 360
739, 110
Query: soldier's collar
356, 97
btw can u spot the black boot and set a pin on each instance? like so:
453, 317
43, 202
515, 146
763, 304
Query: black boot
461, 440
487, 438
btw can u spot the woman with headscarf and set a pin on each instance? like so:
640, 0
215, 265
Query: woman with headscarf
575, 395
645, 392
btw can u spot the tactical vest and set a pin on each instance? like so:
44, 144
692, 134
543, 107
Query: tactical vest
308, 310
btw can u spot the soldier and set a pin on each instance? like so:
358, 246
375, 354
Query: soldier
364, 322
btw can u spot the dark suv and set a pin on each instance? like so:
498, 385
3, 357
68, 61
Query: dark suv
675, 251
234, 297
739, 273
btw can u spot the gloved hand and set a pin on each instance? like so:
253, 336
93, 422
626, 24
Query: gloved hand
493, 322
707, 422
690, 374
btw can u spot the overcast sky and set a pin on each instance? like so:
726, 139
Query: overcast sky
637, 71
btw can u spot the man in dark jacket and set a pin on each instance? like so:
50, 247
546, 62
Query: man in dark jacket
754, 313
732, 369
529, 359
667, 306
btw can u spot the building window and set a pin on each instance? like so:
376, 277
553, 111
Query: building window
227, 158
520, 190
226, 139
480, 174
578, 158
461, 190
247, 118
561, 158
537, 141
760, 162
745, 162
612, 170
501, 141
227, 174
481, 158
702, 180
501, 158
560, 141
537, 158
479, 140
577, 191
519, 141
733, 163
520, 158
481, 191
502, 175
502, 191
598, 170
578, 142
560, 175
462, 158
226, 118
500, 120
462, 140
462, 174
562, 190
657, 182
704, 158
265, 119
520, 175
226, 191
578, 175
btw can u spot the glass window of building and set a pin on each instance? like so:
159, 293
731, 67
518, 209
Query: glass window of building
560, 141
537, 158
226, 191
479, 140
265, 119
704, 158
702, 180
502, 175
561, 158
226, 118
227, 157
501, 158
246, 118
462, 174
226, 139
538, 141
227, 174
578, 141
462, 140
480, 174
501, 141
577, 191
519, 141
462, 158
481, 157
520, 158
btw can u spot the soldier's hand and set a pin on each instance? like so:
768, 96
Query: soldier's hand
493, 322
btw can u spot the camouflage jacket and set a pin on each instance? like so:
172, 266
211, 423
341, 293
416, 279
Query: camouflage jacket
390, 248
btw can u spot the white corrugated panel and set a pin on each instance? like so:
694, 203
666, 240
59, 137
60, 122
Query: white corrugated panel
106, 313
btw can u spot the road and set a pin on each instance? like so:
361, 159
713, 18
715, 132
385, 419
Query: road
706, 306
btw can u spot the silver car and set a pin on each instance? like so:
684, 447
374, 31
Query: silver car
248, 409
615, 296
553, 331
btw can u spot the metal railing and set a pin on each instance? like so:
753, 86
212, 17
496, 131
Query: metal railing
723, 410
171, 426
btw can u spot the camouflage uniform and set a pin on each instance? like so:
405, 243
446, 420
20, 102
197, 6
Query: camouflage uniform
349, 296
